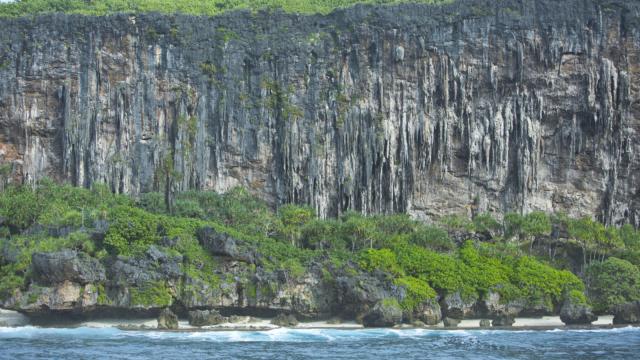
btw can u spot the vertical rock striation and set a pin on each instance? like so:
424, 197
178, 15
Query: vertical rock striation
476, 106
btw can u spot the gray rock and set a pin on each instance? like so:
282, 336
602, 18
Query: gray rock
153, 266
503, 320
558, 138
429, 312
167, 320
454, 306
450, 322
573, 313
286, 320
66, 265
384, 314
628, 313
220, 244
206, 318
485, 323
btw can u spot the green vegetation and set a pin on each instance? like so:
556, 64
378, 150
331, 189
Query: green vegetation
194, 7
151, 294
613, 281
515, 257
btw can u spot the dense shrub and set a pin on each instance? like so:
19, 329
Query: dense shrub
131, 230
612, 282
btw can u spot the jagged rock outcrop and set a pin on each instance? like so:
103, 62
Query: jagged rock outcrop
66, 265
384, 313
167, 320
285, 320
473, 106
628, 313
206, 318
573, 313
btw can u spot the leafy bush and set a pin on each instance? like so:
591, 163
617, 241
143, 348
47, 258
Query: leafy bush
612, 282
131, 231
381, 260
433, 238
417, 292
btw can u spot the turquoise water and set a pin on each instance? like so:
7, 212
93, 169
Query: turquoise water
109, 343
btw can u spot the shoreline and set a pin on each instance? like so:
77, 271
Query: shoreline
13, 319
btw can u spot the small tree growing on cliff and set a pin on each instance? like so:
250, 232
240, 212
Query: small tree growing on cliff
291, 218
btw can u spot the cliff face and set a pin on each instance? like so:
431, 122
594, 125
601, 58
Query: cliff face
476, 106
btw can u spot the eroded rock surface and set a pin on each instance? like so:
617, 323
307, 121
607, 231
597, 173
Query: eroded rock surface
474, 106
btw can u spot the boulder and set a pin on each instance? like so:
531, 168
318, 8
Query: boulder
66, 265
573, 313
450, 322
418, 324
206, 318
167, 320
429, 312
223, 244
485, 323
220, 244
154, 265
385, 313
286, 320
491, 305
455, 306
503, 320
358, 294
628, 313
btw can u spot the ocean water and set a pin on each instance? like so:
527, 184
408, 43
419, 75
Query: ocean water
110, 343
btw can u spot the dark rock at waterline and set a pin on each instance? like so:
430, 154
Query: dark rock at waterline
66, 265
167, 320
450, 322
358, 294
429, 312
384, 314
206, 318
286, 320
573, 313
503, 320
628, 313
485, 323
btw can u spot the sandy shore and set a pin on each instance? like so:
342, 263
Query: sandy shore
12, 318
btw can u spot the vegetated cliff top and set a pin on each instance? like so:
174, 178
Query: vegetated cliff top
193, 7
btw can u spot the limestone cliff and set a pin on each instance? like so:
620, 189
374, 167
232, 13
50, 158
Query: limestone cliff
478, 105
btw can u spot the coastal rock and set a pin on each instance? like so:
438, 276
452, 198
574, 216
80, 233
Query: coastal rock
455, 306
491, 305
286, 320
386, 313
167, 320
450, 322
358, 294
66, 265
573, 313
206, 318
628, 313
154, 265
503, 320
429, 312
485, 323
